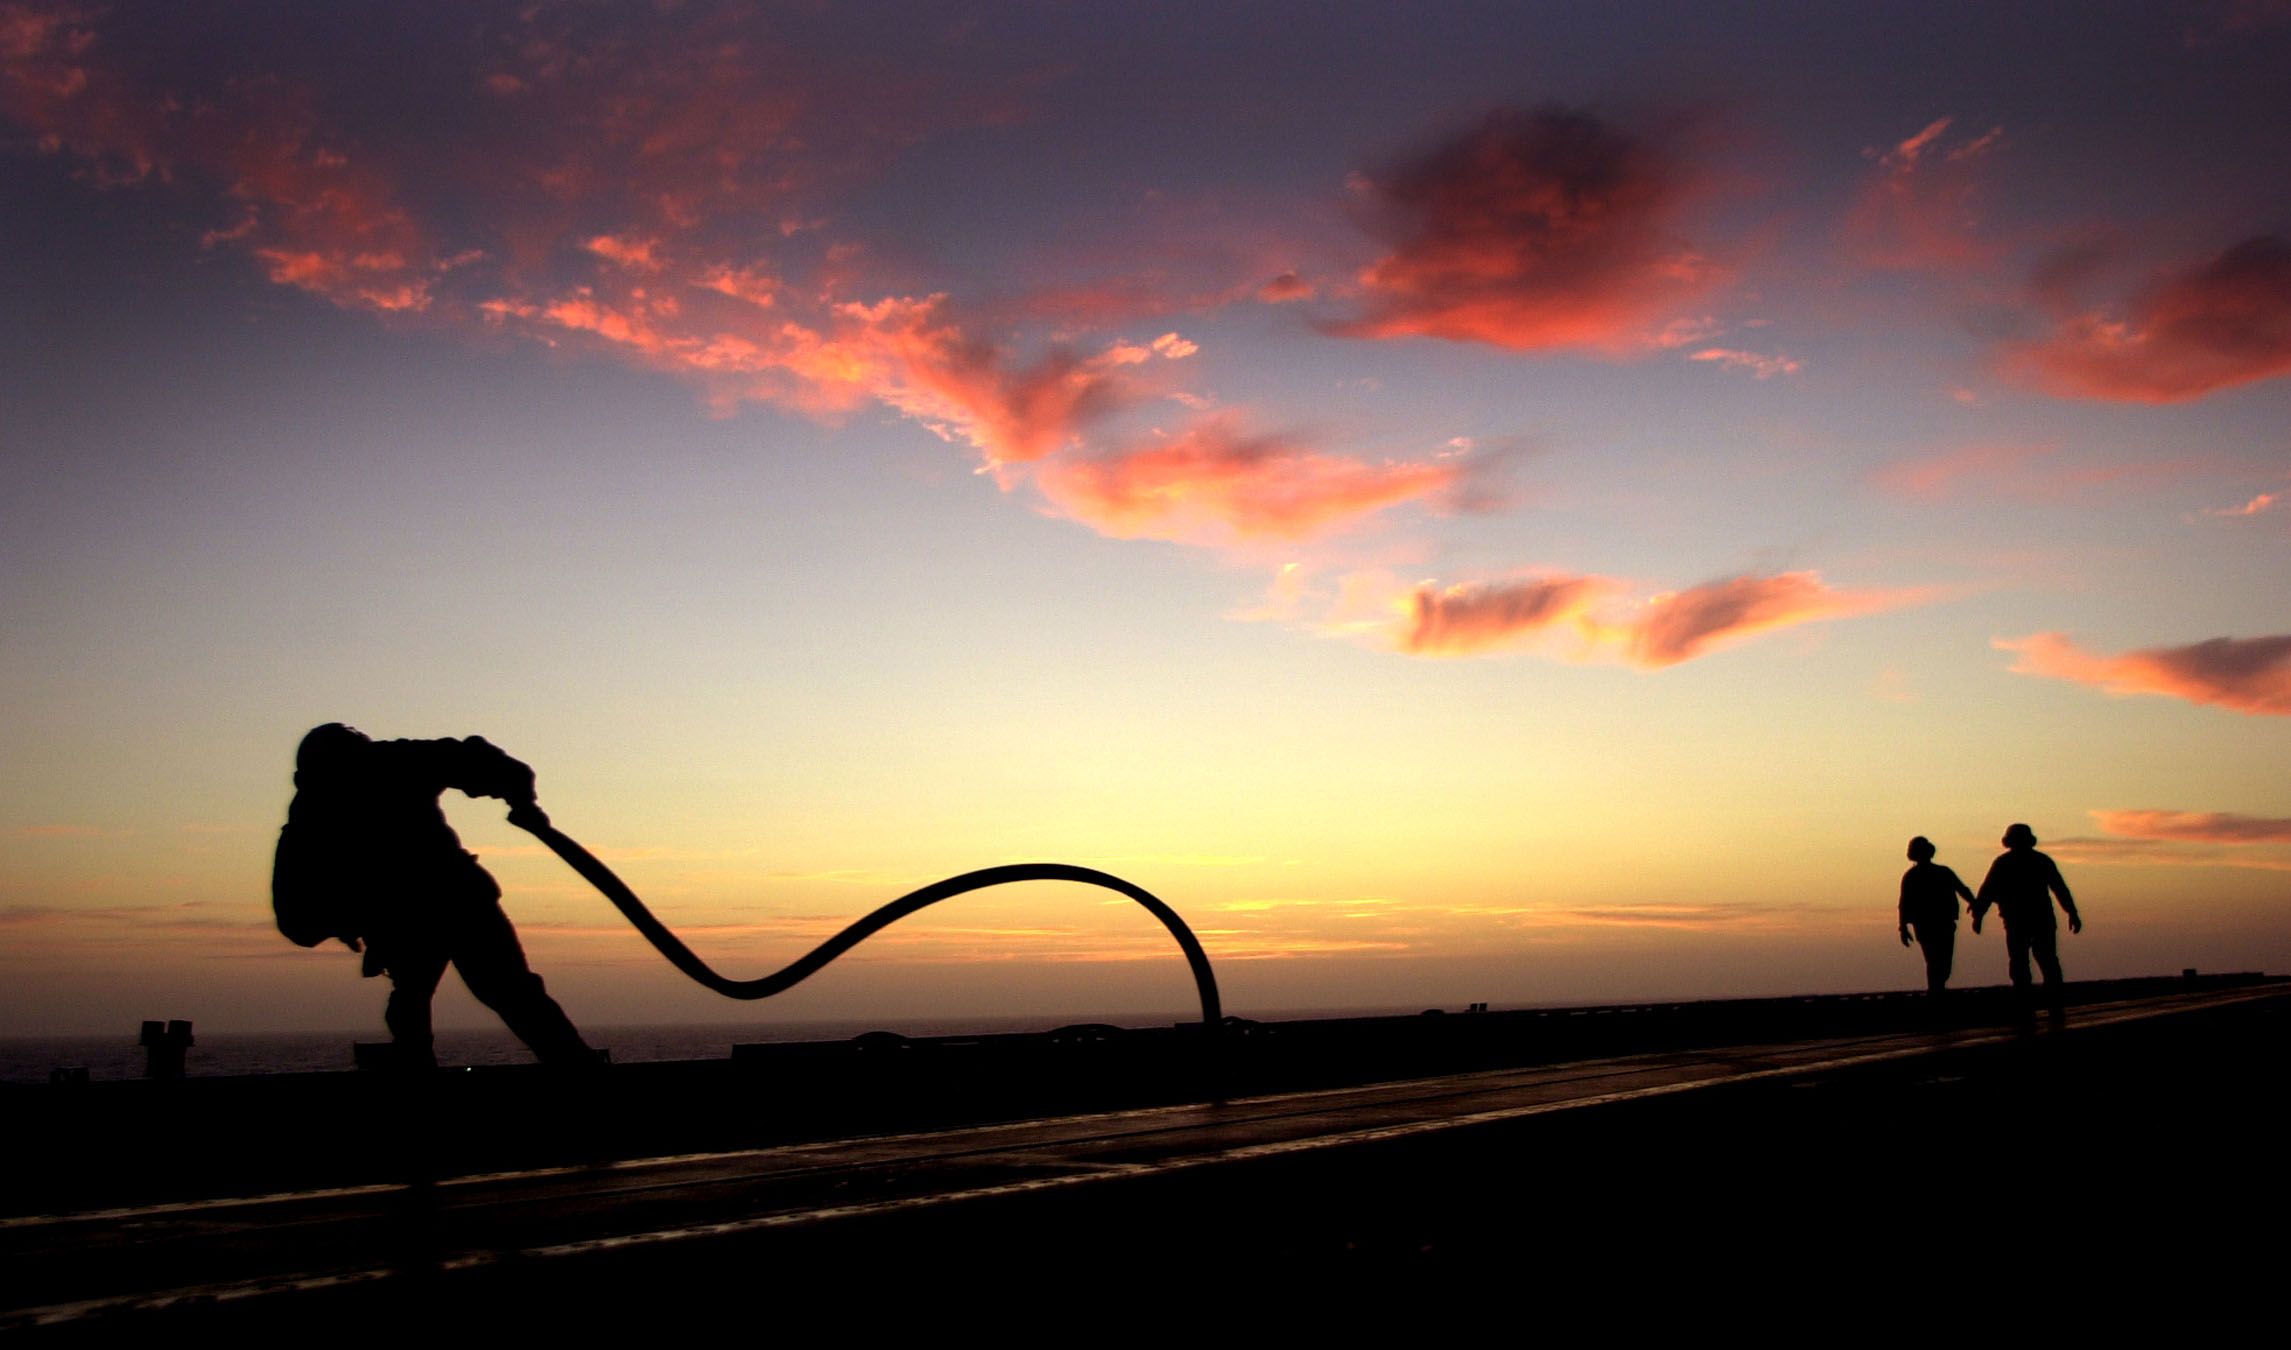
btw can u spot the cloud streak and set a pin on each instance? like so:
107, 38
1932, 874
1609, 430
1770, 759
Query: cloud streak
1533, 230
2258, 505
2019, 473
2199, 827
2248, 675
1592, 617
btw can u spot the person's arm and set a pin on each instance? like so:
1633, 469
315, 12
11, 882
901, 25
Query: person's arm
2067, 901
1905, 905
483, 769
1985, 897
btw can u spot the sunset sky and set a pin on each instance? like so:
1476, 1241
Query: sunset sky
1509, 502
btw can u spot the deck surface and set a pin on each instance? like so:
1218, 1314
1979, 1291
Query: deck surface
559, 1223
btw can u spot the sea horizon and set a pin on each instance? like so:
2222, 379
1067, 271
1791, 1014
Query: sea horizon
114, 1056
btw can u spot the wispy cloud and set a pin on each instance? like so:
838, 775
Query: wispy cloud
2115, 852
2264, 502
1533, 230
185, 916
1920, 208
2249, 675
2018, 473
2202, 327
1758, 366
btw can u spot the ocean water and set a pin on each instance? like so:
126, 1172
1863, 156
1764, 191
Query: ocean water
28, 1059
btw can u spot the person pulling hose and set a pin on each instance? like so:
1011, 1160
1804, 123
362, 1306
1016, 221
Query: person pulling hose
371, 863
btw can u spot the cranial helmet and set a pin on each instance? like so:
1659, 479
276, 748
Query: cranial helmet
2019, 836
324, 750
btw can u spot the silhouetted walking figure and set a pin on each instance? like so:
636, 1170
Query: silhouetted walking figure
367, 857
1929, 894
2021, 884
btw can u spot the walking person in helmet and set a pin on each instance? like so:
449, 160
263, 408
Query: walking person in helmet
1929, 894
2022, 884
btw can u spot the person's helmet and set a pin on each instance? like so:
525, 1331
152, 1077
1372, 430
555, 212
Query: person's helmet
324, 750
2019, 836
1920, 849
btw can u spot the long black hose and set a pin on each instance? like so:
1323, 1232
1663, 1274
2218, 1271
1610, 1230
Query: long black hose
681, 956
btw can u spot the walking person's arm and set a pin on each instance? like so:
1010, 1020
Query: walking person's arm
2067, 901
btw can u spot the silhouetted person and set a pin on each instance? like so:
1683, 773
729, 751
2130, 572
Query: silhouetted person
1929, 894
367, 857
2021, 884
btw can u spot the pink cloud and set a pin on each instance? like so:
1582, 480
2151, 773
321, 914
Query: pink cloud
2201, 827
1214, 483
1465, 620
1534, 231
1920, 210
1690, 623
2210, 325
2249, 675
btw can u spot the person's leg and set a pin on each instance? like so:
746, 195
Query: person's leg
414, 971
2045, 946
492, 963
2016, 957
1939, 944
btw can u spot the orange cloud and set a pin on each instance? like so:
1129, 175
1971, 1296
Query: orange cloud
1533, 231
1920, 210
1464, 620
2249, 675
2204, 327
2201, 827
1215, 484
1690, 623
2265, 501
